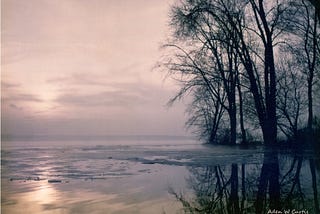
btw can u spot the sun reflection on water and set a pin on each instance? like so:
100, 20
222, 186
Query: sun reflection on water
44, 194
31, 197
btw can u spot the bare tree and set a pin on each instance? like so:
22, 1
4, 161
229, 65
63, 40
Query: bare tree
239, 40
242, 31
303, 19
192, 68
291, 98
205, 115
311, 58
192, 24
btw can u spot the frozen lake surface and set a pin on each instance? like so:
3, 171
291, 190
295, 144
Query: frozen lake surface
148, 177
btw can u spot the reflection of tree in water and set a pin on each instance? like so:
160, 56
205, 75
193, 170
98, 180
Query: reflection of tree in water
295, 189
277, 184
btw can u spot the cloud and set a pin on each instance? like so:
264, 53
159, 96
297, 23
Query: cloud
6, 85
121, 73
22, 97
15, 107
106, 98
77, 79
86, 65
16, 101
113, 93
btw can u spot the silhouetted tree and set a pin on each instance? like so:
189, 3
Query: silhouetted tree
291, 97
234, 32
218, 44
205, 114
234, 42
303, 22
192, 67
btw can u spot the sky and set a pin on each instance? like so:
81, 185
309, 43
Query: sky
79, 67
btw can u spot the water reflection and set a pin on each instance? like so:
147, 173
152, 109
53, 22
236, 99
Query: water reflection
29, 197
44, 194
281, 184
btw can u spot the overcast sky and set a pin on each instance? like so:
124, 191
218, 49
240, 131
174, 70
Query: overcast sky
79, 67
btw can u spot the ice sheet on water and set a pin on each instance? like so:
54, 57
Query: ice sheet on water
99, 161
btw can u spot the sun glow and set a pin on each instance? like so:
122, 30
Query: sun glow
44, 104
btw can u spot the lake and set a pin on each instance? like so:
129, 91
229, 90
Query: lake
154, 176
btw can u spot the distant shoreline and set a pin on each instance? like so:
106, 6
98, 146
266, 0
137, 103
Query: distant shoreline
94, 138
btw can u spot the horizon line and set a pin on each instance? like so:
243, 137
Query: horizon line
8, 137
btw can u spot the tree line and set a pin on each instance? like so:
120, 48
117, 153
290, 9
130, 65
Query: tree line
250, 66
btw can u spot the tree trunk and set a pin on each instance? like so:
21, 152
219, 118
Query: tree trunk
233, 127
243, 131
310, 110
233, 106
215, 123
270, 132
233, 114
